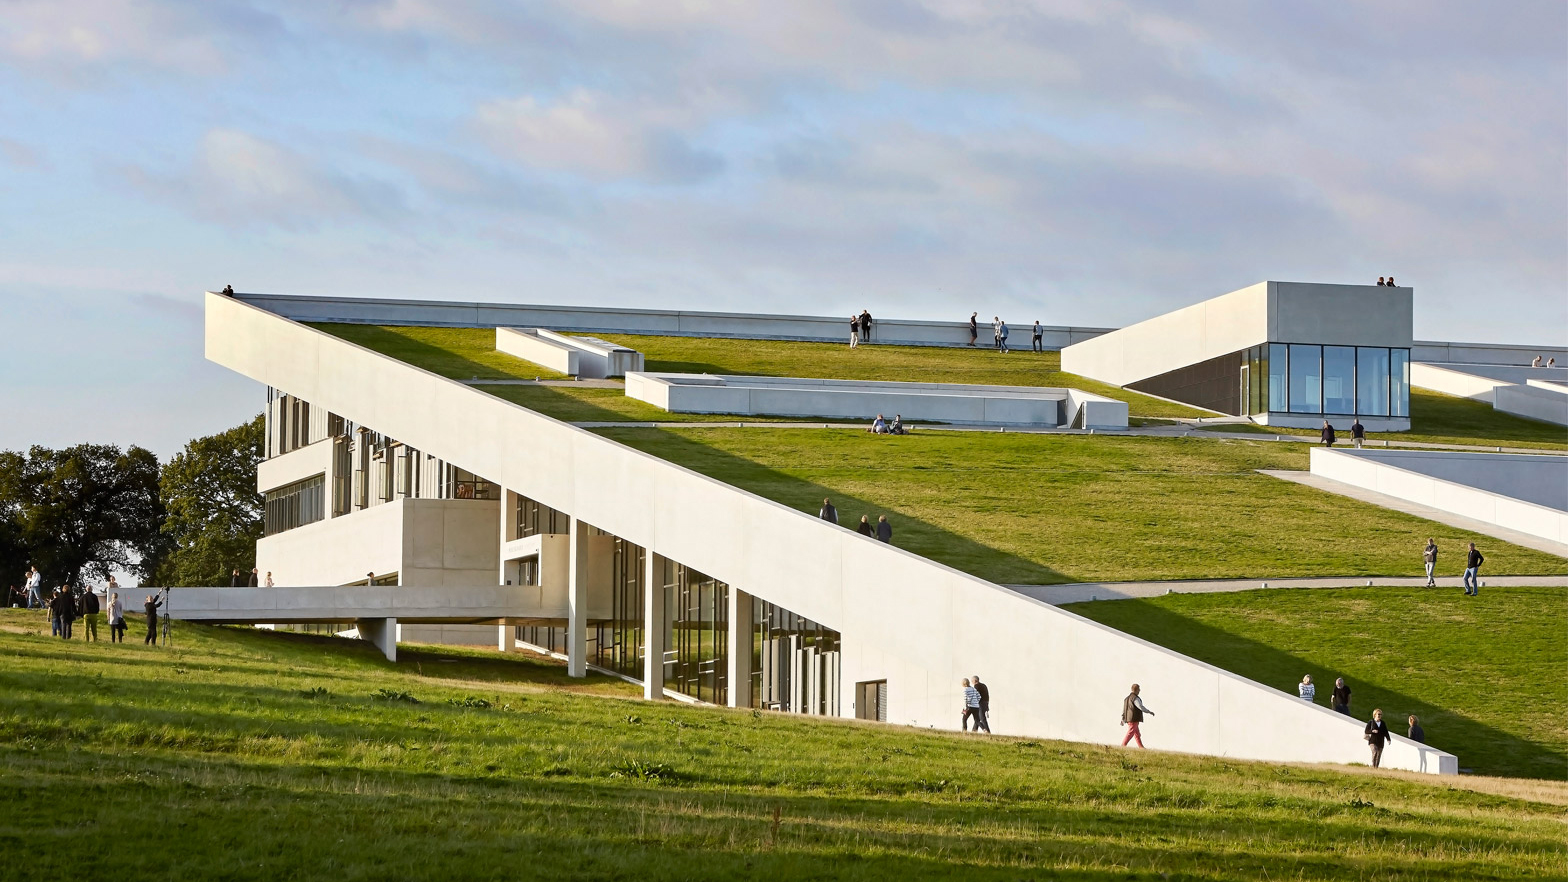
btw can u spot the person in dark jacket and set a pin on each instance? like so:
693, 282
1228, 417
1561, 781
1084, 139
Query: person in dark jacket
985, 704
864, 527
89, 607
974, 327
1473, 561
1358, 433
1429, 558
1416, 733
1132, 716
255, 577
236, 580
67, 611
56, 625
1341, 697
1327, 434
865, 326
1377, 736
828, 512
151, 608
884, 529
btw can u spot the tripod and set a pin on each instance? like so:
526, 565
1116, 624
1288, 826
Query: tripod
167, 615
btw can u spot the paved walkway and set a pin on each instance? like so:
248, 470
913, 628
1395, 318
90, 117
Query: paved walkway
1422, 511
1078, 592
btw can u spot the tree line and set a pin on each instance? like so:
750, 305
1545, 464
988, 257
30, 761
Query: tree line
80, 513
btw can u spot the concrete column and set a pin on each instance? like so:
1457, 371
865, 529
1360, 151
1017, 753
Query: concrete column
577, 601
383, 633
652, 627
506, 639
739, 671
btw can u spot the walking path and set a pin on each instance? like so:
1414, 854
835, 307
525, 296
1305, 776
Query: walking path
1421, 511
1182, 430
1078, 592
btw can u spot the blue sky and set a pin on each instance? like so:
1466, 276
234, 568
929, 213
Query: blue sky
1085, 162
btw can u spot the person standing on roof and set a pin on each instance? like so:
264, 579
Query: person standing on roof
1429, 557
1473, 561
974, 327
865, 326
884, 529
1306, 690
1377, 736
1036, 338
971, 707
1340, 699
828, 512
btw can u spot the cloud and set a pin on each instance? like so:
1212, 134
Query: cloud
20, 156
241, 180
587, 133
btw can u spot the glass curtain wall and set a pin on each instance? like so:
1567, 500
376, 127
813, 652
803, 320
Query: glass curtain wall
1331, 380
1372, 382
696, 617
1306, 378
794, 662
1278, 360
1339, 379
534, 518
617, 642
1399, 383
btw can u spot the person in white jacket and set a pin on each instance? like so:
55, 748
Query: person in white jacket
1306, 690
116, 618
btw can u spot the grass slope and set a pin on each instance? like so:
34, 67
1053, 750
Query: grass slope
1484, 674
458, 353
1444, 419
248, 755
1017, 508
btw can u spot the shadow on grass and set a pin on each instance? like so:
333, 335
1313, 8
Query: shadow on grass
910, 533
436, 359
1483, 748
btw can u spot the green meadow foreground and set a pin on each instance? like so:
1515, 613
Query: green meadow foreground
1039, 509
1484, 674
250, 755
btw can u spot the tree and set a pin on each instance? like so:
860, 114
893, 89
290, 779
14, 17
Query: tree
214, 512
83, 511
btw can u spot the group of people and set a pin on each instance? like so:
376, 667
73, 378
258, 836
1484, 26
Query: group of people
880, 425
860, 328
1375, 731
1358, 433
977, 705
240, 580
68, 605
882, 531
1387, 284
1473, 561
1550, 362
1000, 331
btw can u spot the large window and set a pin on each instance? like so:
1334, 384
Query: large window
298, 504
534, 518
1339, 379
617, 643
696, 616
1306, 378
1276, 370
1399, 383
1372, 385
794, 662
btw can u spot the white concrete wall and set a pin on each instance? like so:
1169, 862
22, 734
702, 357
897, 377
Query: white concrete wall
1453, 380
858, 399
1458, 482
347, 603
1484, 353
530, 346
1539, 400
674, 323
297, 465
427, 542
917, 624
597, 359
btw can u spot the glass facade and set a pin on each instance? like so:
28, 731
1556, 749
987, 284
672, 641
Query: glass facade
1329, 380
616, 644
696, 618
533, 518
295, 505
794, 662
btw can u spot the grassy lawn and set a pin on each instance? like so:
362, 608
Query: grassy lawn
251, 755
1444, 419
1484, 674
1017, 508
467, 353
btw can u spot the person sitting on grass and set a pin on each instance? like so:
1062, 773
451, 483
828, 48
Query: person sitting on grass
879, 426
898, 425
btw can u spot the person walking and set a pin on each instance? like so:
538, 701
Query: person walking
1133, 711
35, 588
854, 331
1306, 690
1341, 697
1377, 736
1001, 337
1036, 341
1429, 558
151, 608
1327, 434
1358, 433
1473, 561
1416, 733
90, 610
974, 327
971, 708
865, 326
67, 611
116, 619
53, 606
864, 527
996, 332
984, 721
236, 581
884, 529
255, 578
828, 513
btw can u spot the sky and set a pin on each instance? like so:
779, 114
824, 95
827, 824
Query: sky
1087, 162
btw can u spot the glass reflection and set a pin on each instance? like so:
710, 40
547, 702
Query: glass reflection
1372, 382
1339, 379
